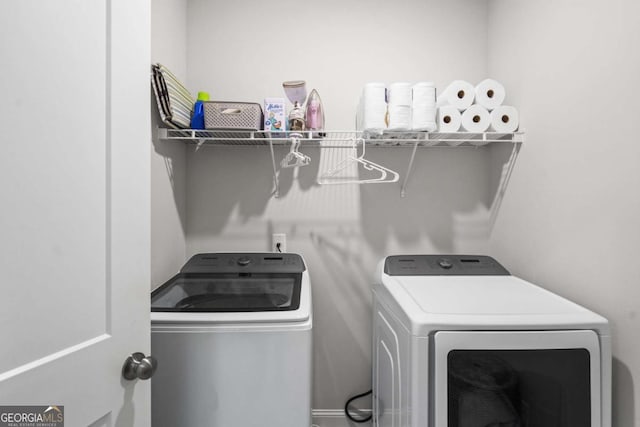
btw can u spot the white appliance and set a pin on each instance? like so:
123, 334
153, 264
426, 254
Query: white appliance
232, 336
459, 342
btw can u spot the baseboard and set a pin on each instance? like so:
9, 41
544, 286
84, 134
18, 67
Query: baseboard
335, 418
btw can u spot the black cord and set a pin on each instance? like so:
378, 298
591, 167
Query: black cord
346, 408
278, 247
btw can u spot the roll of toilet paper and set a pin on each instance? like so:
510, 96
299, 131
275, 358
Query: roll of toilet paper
374, 91
459, 94
476, 119
399, 117
423, 118
423, 94
504, 119
371, 118
449, 119
373, 107
490, 94
400, 93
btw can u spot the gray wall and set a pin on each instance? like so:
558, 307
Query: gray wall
168, 159
570, 219
237, 52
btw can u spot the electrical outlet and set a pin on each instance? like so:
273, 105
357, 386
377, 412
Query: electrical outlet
279, 242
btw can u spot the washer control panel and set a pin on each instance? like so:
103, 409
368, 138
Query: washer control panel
244, 263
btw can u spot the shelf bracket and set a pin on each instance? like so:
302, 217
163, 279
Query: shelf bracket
276, 184
161, 133
406, 175
505, 177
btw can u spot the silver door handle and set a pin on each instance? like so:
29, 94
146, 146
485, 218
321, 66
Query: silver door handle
139, 366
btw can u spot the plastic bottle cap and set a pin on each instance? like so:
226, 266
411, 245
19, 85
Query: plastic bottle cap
203, 96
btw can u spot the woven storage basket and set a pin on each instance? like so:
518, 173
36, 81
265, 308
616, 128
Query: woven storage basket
232, 115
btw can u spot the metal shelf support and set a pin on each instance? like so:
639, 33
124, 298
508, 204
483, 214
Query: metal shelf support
276, 183
406, 175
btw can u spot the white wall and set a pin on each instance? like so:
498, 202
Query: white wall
570, 219
244, 51
168, 159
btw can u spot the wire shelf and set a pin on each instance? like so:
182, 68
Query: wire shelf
328, 139
340, 139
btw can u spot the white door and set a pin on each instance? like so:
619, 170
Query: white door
74, 207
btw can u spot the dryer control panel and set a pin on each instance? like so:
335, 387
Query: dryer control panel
443, 265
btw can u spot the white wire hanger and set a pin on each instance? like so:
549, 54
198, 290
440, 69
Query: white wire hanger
386, 175
295, 158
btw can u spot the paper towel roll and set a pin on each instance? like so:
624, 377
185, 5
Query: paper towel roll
490, 94
400, 93
423, 94
459, 94
505, 119
449, 119
476, 119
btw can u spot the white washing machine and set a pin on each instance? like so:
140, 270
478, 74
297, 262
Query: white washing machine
232, 336
459, 342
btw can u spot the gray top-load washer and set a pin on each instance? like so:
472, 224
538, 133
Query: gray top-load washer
232, 336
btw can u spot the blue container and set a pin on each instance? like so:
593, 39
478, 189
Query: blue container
197, 120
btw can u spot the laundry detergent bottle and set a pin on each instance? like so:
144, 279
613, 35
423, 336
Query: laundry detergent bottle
197, 119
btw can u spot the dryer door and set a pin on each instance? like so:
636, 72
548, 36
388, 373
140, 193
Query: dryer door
517, 379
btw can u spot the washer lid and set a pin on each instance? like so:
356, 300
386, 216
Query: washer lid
233, 282
228, 292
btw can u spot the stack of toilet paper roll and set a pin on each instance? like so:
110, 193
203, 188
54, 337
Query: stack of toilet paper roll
399, 106
461, 106
373, 108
